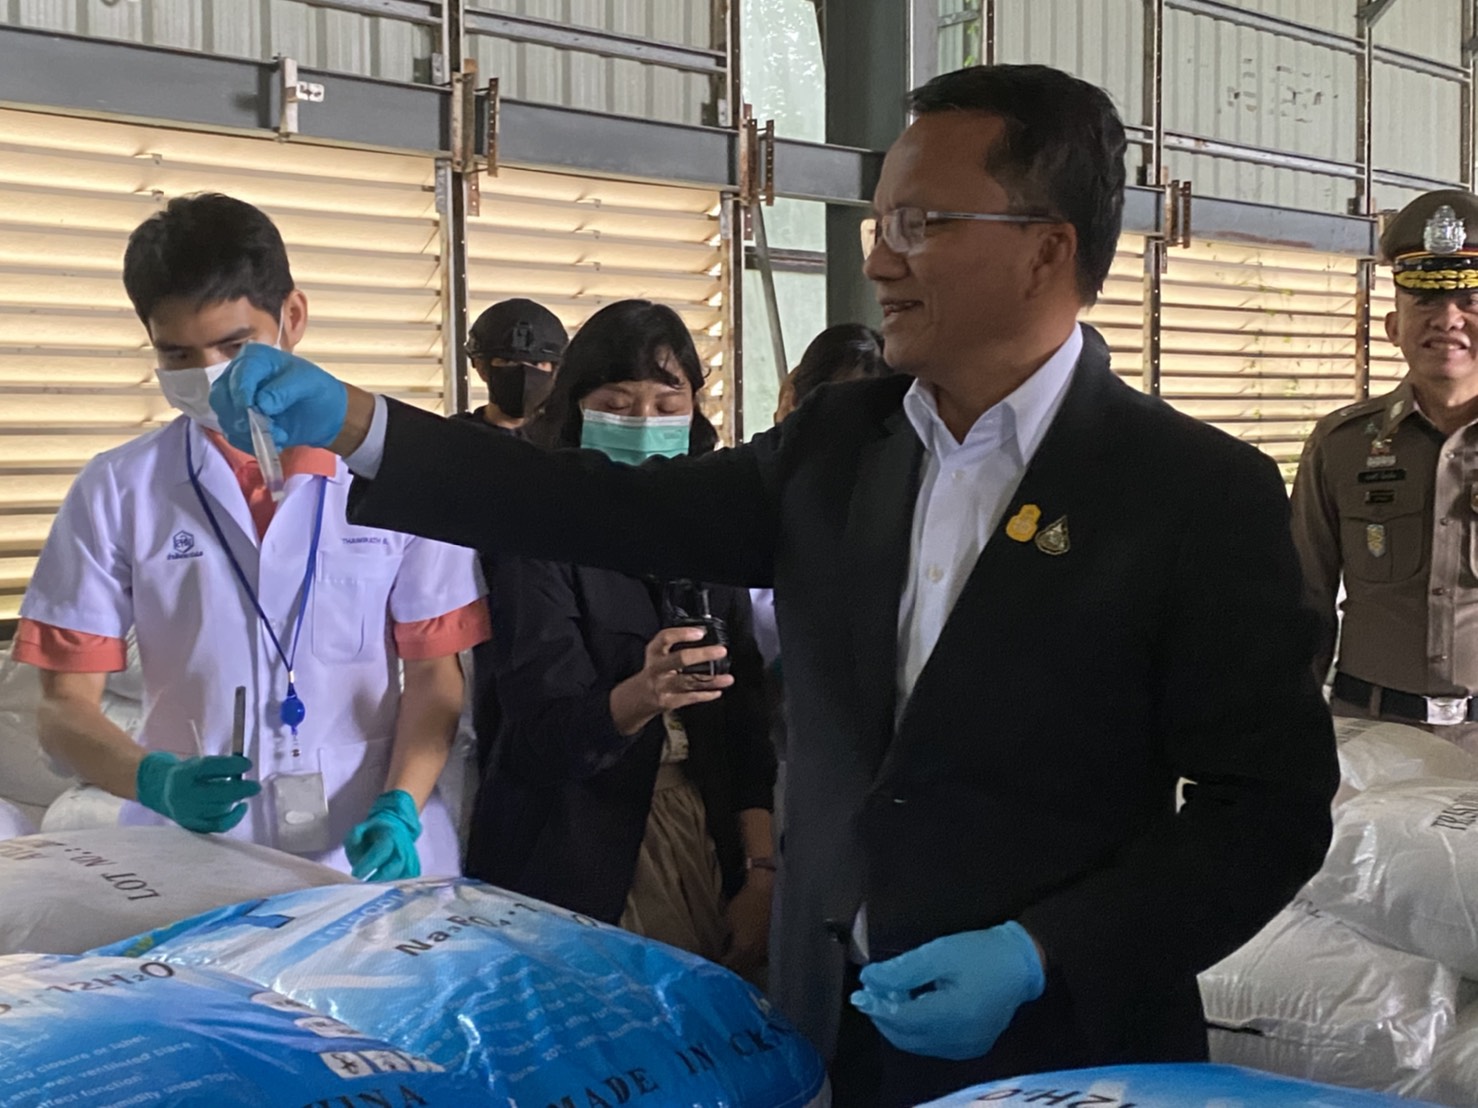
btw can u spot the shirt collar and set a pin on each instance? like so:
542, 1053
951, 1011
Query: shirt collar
1022, 417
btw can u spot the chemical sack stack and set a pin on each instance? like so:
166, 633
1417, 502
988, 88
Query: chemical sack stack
66, 893
114, 1032
537, 1005
1184, 1085
30, 782
1359, 982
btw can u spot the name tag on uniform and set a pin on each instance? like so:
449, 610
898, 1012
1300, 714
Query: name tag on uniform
1381, 476
1380, 496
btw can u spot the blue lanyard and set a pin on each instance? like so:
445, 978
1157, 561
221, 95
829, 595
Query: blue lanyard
292, 711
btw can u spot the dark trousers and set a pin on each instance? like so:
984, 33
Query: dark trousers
867, 1071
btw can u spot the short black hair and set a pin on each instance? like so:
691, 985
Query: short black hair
1062, 153
845, 350
206, 249
622, 342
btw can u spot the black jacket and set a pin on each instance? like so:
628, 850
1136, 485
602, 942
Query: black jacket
486, 715
1032, 775
563, 805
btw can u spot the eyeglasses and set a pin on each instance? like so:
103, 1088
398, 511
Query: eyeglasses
903, 229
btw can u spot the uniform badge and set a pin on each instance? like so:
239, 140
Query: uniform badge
1380, 461
1023, 525
1053, 539
1375, 539
1444, 233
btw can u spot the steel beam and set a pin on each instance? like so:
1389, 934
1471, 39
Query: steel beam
616, 146
425, 12
1263, 225
606, 44
455, 182
867, 63
93, 77
923, 41
835, 174
727, 14
1371, 12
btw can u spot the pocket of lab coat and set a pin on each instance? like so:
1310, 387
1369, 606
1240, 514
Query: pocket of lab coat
350, 596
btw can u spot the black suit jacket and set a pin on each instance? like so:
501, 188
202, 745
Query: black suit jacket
1033, 773
564, 802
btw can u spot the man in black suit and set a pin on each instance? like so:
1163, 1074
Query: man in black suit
1018, 602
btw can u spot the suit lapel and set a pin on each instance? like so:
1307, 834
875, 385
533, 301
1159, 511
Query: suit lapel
1063, 468
878, 540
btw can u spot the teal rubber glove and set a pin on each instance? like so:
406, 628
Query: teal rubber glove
306, 405
200, 794
953, 997
383, 847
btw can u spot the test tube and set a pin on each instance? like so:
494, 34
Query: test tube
265, 449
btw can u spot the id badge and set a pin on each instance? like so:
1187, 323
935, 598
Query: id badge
300, 809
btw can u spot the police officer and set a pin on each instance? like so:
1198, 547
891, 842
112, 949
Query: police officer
515, 346
1387, 494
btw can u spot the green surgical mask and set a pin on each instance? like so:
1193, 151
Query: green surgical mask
634, 439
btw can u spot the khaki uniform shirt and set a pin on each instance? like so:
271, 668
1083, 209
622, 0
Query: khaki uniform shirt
1384, 500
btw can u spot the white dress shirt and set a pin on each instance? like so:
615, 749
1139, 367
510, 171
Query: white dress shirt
964, 490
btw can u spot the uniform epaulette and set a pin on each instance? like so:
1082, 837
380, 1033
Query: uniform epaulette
1374, 405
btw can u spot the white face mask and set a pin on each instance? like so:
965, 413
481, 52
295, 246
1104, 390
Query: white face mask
188, 390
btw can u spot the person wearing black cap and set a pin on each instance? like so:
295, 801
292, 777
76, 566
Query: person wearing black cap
1386, 495
515, 347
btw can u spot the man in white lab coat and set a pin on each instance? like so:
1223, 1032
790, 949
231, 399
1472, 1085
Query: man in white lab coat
180, 536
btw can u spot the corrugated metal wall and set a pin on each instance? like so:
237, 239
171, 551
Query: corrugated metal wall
1097, 40
528, 71
315, 37
391, 49
1247, 86
1236, 84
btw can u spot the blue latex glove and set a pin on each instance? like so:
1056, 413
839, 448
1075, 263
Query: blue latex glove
953, 997
383, 847
305, 404
200, 794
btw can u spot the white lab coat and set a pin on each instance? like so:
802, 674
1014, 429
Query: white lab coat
131, 547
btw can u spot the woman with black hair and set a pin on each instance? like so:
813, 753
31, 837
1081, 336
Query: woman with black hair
632, 777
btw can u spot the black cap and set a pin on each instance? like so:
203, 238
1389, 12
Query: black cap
518, 331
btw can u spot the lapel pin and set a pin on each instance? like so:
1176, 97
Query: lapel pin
1023, 524
1053, 540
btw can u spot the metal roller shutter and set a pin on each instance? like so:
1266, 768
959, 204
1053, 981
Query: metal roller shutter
76, 370
1387, 367
1258, 342
576, 244
1119, 313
